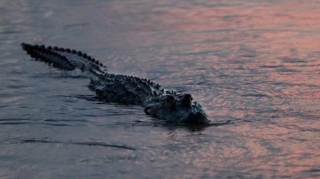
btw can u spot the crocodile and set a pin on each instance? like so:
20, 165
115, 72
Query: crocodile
157, 102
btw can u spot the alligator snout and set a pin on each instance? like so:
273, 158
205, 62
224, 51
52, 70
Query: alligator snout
197, 118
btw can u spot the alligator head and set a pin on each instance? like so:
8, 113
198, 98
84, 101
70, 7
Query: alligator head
176, 108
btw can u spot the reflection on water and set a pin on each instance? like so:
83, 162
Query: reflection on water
253, 65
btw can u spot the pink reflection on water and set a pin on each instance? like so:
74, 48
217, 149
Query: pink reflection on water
285, 36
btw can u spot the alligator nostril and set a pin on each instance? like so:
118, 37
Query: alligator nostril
148, 110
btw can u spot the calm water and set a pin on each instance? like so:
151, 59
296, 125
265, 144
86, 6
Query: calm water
253, 65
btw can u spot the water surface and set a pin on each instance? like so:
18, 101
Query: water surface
253, 65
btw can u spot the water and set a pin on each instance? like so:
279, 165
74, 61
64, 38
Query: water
254, 65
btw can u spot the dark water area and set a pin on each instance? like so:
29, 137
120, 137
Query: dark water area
253, 65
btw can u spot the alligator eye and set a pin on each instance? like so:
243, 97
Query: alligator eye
169, 100
188, 97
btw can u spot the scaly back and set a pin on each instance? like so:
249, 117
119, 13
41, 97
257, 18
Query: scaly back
108, 87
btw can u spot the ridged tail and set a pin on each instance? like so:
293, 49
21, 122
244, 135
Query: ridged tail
64, 59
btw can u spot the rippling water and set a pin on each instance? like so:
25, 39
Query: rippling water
254, 65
